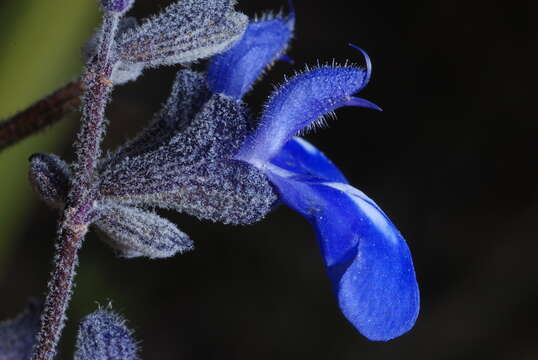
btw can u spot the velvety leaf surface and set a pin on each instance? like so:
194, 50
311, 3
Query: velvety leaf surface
215, 133
135, 232
229, 192
192, 172
184, 32
103, 335
188, 95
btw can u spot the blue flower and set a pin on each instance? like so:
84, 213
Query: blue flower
366, 257
202, 155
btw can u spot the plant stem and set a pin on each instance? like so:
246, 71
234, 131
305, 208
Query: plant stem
43, 113
60, 286
80, 201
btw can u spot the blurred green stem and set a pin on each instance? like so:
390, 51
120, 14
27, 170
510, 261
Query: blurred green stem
39, 51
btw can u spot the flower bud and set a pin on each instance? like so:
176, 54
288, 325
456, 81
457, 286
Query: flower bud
103, 335
18, 336
49, 176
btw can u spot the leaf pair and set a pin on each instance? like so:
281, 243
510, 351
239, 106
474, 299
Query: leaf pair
131, 231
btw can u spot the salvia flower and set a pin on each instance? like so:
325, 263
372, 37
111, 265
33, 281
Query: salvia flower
203, 155
366, 257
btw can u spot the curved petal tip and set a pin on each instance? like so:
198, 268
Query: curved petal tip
360, 102
285, 58
368, 62
291, 16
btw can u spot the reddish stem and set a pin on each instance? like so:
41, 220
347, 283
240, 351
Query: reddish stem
43, 113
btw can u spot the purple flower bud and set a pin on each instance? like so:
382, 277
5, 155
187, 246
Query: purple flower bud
49, 176
117, 6
103, 335
18, 336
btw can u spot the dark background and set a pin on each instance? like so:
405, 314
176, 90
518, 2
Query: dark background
451, 159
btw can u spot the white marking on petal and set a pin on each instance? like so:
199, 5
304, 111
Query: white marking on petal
309, 148
367, 205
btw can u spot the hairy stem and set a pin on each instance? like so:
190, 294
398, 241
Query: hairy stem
59, 288
43, 113
80, 201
